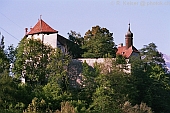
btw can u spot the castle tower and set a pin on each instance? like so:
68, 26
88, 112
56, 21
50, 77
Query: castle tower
129, 38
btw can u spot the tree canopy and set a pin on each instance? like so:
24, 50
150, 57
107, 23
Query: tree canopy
150, 55
75, 47
98, 43
4, 61
31, 60
104, 87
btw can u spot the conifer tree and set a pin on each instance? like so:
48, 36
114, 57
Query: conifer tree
2, 44
151, 56
4, 61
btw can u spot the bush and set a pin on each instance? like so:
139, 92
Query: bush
142, 108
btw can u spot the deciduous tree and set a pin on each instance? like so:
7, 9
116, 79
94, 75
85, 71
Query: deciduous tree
152, 85
75, 47
98, 43
31, 60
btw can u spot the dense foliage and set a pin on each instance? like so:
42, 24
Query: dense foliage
97, 43
75, 49
105, 87
32, 58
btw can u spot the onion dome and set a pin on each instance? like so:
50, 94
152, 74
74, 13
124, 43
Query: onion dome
129, 33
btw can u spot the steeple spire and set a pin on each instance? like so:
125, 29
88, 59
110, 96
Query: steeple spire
129, 38
40, 24
129, 33
40, 17
129, 26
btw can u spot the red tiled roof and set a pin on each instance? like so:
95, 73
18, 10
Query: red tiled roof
41, 27
126, 52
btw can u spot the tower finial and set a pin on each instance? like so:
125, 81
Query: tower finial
40, 17
129, 38
129, 26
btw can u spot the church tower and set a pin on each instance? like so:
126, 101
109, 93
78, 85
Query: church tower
129, 38
128, 50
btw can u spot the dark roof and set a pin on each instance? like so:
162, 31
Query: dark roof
62, 40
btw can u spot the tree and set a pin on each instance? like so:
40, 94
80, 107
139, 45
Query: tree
8, 91
98, 43
152, 85
113, 89
57, 68
2, 44
37, 106
32, 57
75, 37
75, 47
52, 94
150, 55
88, 85
142, 108
120, 59
66, 107
103, 101
57, 87
105, 91
159, 89
158, 77
4, 61
11, 51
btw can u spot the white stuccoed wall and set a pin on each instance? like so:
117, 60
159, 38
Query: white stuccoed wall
105, 61
50, 39
91, 61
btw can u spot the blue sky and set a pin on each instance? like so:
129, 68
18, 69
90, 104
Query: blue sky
150, 19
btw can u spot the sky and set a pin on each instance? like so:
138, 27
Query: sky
149, 19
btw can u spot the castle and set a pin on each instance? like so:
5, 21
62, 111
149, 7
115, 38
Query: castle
50, 36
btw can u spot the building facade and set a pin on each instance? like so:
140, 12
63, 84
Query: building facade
47, 35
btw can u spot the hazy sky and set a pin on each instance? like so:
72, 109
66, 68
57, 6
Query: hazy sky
150, 19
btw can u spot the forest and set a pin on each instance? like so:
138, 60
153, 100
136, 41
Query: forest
47, 88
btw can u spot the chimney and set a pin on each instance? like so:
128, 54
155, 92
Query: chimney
120, 45
26, 31
30, 28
